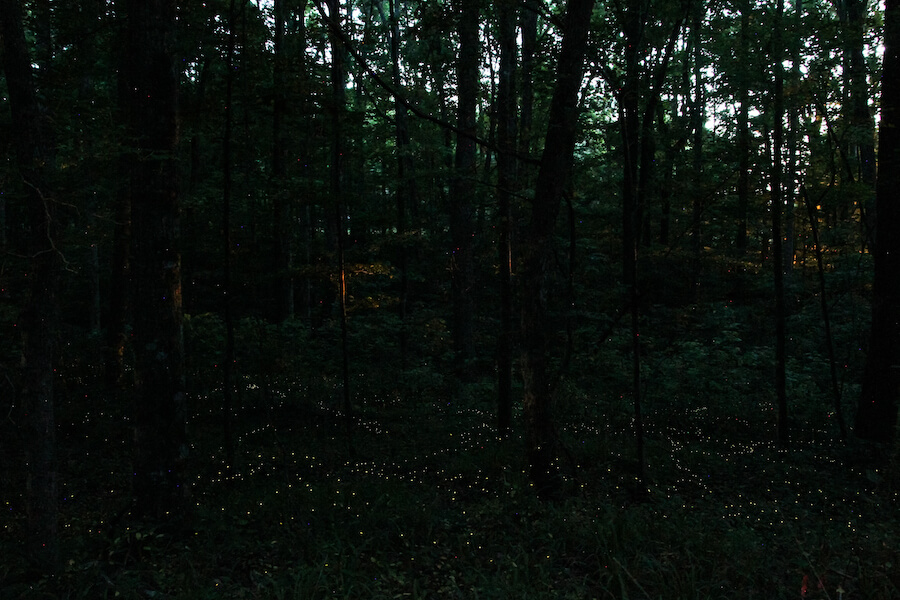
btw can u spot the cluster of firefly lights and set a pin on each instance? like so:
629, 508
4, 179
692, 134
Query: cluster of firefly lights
767, 508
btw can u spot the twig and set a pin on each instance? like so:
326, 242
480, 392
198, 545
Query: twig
630, 576
48, 221
348, 45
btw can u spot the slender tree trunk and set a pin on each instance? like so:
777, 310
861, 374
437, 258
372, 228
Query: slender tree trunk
39, 318
858, 141
160, 441
120, 257
306, 226
826, 317
629, 117
506, 178
743, 137
876, 416
629, 111
284, 252
3, 237
462, 184
120, 273
777, 230
529, 47
793, 135
228, 362
337, 183
672, 149
538, 260
699, 124
407, 192
87, 147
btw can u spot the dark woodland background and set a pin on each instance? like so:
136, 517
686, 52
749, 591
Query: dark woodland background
449, 299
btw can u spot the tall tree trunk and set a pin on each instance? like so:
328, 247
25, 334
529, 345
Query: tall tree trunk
859, 121
120, 256
826, 318
228, 362
305, 224
529, 47
39, 318
407, 192
337, 183
629, 118
698, 115
464, 176
87, 147
284, 252
120, 268
793, 139
876, 416
160, 441
506, 178
777, 232
743, 136
538, 259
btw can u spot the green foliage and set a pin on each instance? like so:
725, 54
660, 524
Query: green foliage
419, 499
432, 505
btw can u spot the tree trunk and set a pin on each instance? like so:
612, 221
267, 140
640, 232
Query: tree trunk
538, 259
629, 120
338, 158
117, 318
506, 178
777, 233
284, 253
698, 115
228, 316
876, 417
86, 50
160, 441
39, 318
859, 140
743, 136
407, 193
464, 177
826, 318
529, 46
793, 134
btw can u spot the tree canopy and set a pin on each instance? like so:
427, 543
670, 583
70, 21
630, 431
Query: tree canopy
587, 233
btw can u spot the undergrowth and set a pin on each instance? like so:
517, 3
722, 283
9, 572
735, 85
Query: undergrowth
421, 500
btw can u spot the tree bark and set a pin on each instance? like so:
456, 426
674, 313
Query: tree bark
120, 257
227, 313
538, 259
743, 136
337, 184
529, 47
407, 192
698, 116
506, 178
284, 252
876, 417
777, 232
160, 440
461, 208
39, 318
859, 140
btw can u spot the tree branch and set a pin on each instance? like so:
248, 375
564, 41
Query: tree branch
348, 45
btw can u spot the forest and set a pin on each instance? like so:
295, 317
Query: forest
450, 299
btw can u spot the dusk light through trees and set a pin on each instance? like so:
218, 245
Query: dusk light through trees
449, 298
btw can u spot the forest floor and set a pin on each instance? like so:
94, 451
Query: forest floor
421, 500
